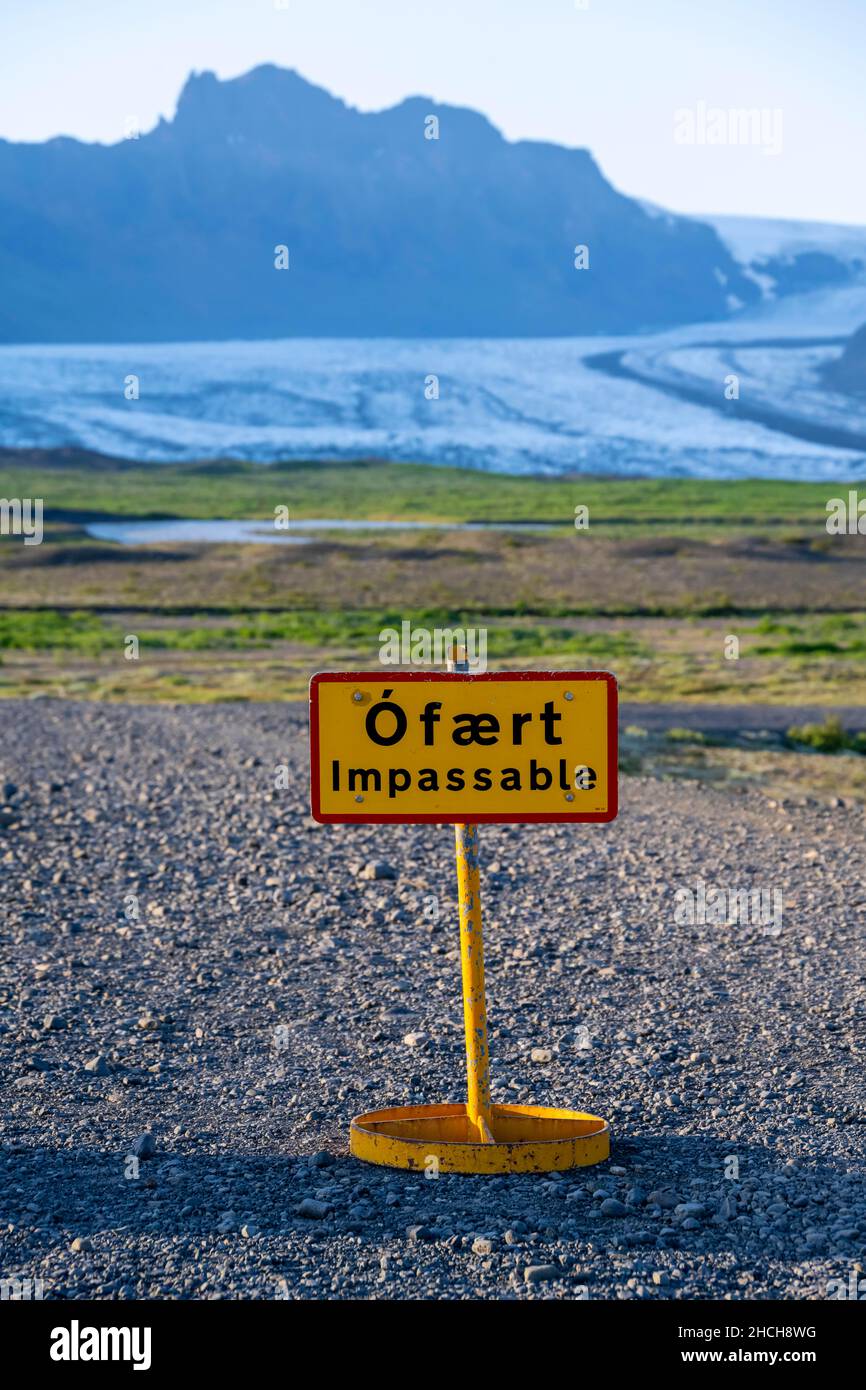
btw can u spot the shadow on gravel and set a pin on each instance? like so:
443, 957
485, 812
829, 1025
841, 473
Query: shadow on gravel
236, 1225
46, 1193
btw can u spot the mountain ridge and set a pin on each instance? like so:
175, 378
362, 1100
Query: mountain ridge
173, 234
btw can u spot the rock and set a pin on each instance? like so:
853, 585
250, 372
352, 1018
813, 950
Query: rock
539, 1274
635, 1197
40, 1064
482, 1246
664, 1198
613, 1207
98, 1066
377, 868
82, 1245
53, 1023
541, 1054
689, 1209
414, 1039
312, 1210
416, 1234
144, 1147
660, 1278
249, 1229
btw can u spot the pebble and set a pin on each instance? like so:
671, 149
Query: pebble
377, 868
312, 1209
416, 1234
689, 1209
666, 1199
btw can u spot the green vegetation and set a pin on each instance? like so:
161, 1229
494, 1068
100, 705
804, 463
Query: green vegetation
368, 489
678, 735
90, 634
818, 635
34, 631
829, 737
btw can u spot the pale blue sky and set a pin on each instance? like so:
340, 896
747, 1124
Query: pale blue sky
609, 77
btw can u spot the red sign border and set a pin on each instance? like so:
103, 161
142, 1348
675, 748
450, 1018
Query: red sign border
396, 677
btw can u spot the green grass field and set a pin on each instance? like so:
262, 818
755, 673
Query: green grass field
654, 589
404, 491
665, 573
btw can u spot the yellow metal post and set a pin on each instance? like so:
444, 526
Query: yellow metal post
472, 961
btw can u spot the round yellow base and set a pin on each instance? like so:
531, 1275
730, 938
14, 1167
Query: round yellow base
527, 1139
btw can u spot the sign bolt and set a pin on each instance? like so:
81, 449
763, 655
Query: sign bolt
357, 697
569, 695
569, 796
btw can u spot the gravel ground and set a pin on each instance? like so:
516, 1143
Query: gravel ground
200, 987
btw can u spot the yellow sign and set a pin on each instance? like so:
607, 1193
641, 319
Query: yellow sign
504, 746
